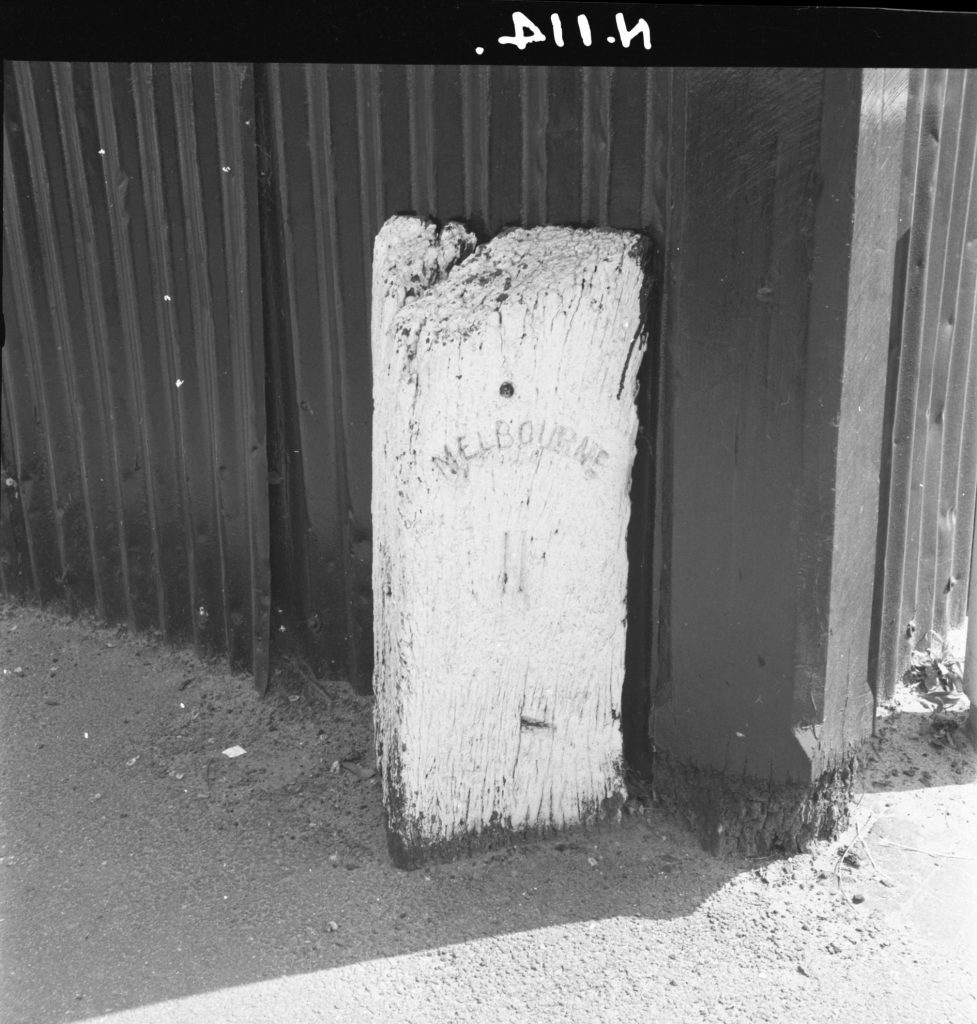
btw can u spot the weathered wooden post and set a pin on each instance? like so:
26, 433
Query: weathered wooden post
784, 187
504, 433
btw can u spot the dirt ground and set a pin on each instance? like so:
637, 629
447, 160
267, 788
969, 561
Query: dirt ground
145, 876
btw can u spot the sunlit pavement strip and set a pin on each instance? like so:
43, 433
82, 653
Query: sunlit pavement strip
616, 970
934, 869
565, 973
570, 972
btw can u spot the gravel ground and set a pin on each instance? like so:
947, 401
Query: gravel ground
147, 877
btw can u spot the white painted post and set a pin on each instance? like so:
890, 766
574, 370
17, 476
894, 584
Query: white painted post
504, 434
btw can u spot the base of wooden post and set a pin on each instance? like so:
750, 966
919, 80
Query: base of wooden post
750, 816
409, 849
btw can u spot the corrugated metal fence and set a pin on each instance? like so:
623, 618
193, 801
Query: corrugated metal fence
213, 225
133, 374
342, 148
187, 264
933, 411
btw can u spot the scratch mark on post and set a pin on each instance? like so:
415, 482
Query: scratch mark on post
505, 560
533, 723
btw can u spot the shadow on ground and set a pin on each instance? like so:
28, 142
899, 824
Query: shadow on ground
141, 864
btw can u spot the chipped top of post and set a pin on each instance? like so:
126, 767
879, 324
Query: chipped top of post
410, 254
521, 261
425, 252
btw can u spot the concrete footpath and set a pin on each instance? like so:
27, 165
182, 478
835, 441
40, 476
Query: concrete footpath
146, 876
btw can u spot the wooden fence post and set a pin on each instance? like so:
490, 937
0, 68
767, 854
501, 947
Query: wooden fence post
784, 187
504, 435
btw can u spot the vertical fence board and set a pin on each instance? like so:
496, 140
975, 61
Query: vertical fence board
960, 473
933, 479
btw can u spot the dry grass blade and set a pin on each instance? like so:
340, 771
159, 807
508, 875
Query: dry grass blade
928, 853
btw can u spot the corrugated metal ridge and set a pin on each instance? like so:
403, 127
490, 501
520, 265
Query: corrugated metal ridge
56, 293
27, 315
329, 285
164, 312
535, 119
94, 317
420, 104
201, 305
370, 153
238, 154
596, 145
298, 569
117, 182
129, 242
475, 110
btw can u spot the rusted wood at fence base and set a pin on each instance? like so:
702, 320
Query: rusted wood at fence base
784, 200
504, 436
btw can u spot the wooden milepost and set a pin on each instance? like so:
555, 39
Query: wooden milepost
504, 435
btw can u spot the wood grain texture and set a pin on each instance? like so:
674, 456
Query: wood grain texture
844, 694
504, 435
933, 450
782, 210
743, 184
